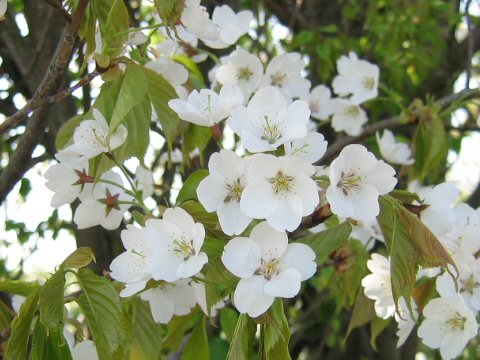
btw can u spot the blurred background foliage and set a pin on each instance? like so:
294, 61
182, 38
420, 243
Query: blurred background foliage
425, 49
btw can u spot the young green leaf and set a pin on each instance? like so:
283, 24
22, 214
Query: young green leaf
228, 320
6, 316
363, 312
51, 300
241, 347
410, 244
197, 346
18, 287
49, 344
17, 346
276, 333
189, 188
65, 134
80, 258
101, 306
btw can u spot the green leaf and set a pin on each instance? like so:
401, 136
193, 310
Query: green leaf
196, 137
18, 287
430, 142
6, 316
410, 244
376, 327
363, 312
199, 214
51, 300
219, 282
147, 335
189, 188
243, 341
80, 258
133, 91
161, 92
65, 134
197, 346
326, 242
177, 327
405, 196
228, 320
170, 10
49, 344
277, 333
17, 345
114, 20
101, 306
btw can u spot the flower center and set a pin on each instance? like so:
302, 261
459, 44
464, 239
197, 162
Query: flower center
457, 322
271, 132
110, 202
314, 106
368, 82
278, 78
469, 284
281, 183
244, 73
352, 111
234, 191
183, 248
270, 268
83, 178
349, 182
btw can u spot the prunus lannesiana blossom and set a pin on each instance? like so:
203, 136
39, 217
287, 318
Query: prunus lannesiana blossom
259, 193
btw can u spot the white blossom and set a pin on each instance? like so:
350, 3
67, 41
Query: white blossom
378, 287
285, 72
405, 321
144, 181
467, 283
130, 267
175, 242
173, 72
84, 350
103, 206
347, 116
310, 148
67, 181
280, 190
448, 325
357, 78
319, 101
207, 108
171, 47
242, 69
392, 151
268, 266
268, 121
170, 299
230, 26
357, 179
91, 138
367, 232
222, 189
196, 20
3, 9
201, 299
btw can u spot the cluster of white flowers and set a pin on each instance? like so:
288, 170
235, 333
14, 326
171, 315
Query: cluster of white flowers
266, 192
449, 321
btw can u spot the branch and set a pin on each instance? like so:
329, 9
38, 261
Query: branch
58, 5
56, 70
64, 93
21, 160
393, 122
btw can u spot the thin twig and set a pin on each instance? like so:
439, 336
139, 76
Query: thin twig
471, 44
58, 5
393, 122
64, 93
55, 71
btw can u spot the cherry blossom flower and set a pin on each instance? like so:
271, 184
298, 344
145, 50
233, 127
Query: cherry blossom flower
91, 138
280, 190
347, 116
357, 78
378, 287
437, 207
144, 181
467, 283
319, 102
268, 266
357, 179
448, 325
104, 205
175, 243
207, 108
310, 148
242, 69
268, 121
130, 267
230, 26
170, 299
173, 72
201, 299
285, 72
3, 9
393, 152
462, 238
222, 189
171, 47
67, 181
196, 20
367, 232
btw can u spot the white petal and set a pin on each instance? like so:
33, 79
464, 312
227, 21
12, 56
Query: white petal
241, 256
286, 284
302, 258
250, 297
